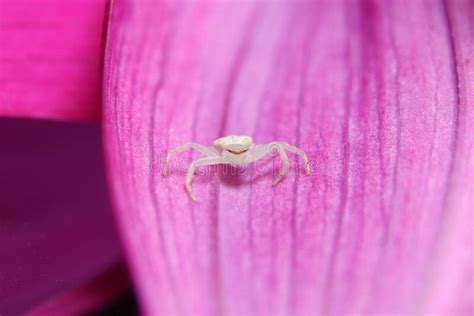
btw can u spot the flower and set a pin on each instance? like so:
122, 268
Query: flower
379, 94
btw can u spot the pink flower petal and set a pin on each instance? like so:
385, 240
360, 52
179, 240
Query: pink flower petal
50, 58
56, 227
370, 90
454, 255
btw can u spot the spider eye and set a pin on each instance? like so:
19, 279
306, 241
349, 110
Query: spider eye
237, 152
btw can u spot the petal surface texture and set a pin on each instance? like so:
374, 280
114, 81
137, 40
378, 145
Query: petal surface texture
50, 58
380, 96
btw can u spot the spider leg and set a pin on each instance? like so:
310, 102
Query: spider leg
300, 153
259, 151
285, 163
206, 151
205, 161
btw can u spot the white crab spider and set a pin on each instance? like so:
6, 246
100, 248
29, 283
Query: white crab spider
237, 151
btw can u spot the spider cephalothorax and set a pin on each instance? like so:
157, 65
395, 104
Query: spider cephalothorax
235, 150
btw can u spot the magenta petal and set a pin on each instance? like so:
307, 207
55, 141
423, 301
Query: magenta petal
454, 265
50, 54
56, 227
377, 95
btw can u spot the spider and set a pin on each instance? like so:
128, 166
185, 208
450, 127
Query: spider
235, 150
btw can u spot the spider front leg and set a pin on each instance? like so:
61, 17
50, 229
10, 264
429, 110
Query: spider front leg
284, 160
300, 153
206, 151
205, 161
259, 151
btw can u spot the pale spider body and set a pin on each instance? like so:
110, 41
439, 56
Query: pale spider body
236, 150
